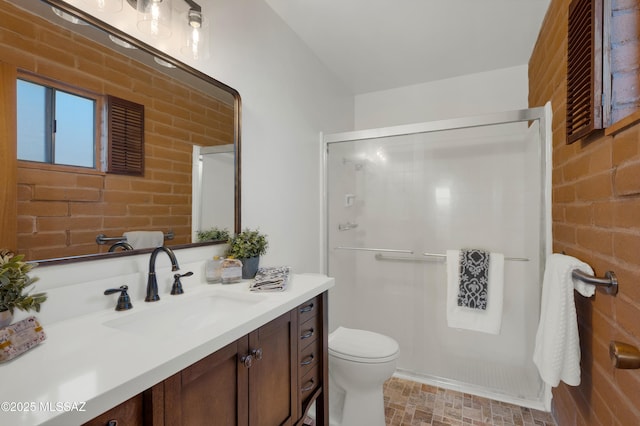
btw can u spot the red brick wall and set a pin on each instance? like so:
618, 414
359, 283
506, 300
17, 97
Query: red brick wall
60, 212
596, 217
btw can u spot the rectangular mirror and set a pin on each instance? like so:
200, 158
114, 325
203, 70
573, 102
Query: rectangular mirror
57, 211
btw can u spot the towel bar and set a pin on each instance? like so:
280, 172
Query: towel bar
609, 282
444, 256
380, 256
103, 239
374, 249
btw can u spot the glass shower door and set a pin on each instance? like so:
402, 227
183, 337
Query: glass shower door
396, 204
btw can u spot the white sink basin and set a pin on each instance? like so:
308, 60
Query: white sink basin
185, 313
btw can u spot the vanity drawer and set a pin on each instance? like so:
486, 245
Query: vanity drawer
309, 309
309, 331
309, 383
309, 356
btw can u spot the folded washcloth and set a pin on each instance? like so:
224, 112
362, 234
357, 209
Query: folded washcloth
271, 279
557, 349
144, 239
472, 316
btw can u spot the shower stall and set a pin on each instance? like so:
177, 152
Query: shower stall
398, 198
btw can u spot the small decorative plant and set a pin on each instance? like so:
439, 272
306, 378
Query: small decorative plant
213, 234
249, 243
13, 284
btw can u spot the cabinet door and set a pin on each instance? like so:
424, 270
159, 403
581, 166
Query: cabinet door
211, 392
272, 378
129, 413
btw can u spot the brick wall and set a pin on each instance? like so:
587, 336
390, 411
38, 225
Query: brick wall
60, 211
596, 217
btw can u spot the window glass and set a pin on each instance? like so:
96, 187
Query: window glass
54, 126
31, 112
75, 130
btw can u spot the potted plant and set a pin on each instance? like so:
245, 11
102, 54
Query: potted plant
248, 246
213, 234
14, 282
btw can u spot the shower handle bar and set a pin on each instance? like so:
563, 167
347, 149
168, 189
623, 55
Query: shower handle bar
444, 256
374, 249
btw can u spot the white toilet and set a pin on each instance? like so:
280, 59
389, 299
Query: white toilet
359, 363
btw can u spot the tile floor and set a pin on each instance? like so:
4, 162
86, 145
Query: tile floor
408, 403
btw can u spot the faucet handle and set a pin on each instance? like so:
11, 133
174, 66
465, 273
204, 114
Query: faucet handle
177, 285
124, 302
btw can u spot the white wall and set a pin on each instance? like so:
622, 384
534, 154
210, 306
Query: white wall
288, 97
493, 91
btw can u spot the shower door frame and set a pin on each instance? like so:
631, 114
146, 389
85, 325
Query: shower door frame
541, 114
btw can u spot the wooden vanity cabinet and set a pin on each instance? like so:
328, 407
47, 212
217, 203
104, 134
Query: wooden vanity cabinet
269, 377
249, 382
129, 413
313, 376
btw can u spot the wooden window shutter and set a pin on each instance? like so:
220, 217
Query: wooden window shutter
125, 153
584, 69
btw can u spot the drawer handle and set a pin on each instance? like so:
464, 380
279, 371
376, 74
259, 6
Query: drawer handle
308, 360
308, 387
307, 308
307, 334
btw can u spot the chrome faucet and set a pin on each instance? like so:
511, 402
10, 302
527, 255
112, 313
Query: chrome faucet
152, 282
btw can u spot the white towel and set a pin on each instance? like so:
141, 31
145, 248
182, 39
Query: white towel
557, 349
488, 320
144, 239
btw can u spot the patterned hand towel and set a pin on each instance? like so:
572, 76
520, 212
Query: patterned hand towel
487, 320
474, 278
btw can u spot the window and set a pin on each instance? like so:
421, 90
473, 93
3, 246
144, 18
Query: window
603, 77
56, 126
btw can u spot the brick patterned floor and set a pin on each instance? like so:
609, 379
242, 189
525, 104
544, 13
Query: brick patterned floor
408, 403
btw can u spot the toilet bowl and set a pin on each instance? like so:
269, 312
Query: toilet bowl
360, 362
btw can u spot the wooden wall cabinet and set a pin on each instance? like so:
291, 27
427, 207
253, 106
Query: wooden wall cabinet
269, 377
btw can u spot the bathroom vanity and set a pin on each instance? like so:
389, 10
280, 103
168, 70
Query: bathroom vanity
216, 355
268, 377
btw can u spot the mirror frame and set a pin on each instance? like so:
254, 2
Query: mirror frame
103, 26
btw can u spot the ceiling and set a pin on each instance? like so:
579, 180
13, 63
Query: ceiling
375, 45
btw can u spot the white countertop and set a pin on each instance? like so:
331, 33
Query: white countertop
85, 367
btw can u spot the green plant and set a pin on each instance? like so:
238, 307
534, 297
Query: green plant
213, 234
13, 283
248, 243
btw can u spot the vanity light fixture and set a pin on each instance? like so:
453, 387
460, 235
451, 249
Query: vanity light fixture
163, 62
68, 17
154, 17
110, 6
195, 33
121, 42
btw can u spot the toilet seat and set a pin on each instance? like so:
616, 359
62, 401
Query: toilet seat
362, 346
